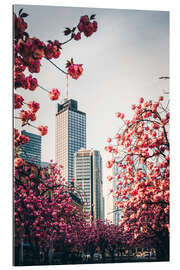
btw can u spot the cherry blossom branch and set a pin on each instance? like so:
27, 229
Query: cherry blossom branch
167, 105
32, 125
56, 66
43, 88
66, 41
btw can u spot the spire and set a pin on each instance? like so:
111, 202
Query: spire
66, 86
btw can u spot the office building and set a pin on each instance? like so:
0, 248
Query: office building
45, 164
109, 200
70, 135
103, 208
31, 151
117, 212
88, 176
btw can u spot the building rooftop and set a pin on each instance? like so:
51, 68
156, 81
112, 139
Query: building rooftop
70, 104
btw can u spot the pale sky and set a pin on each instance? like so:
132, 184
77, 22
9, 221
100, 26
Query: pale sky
122, 62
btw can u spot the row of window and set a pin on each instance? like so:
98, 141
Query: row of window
73, 114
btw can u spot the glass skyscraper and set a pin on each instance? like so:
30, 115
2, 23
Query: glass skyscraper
70, 136
31, 151
88, 176
117, 212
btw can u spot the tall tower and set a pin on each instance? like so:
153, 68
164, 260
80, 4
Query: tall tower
70, 135
88, 175
117, 212
31, 151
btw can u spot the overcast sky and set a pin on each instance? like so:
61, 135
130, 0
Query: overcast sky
122, 62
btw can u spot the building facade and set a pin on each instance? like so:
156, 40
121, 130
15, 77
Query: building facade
45, 164
31, 151
70, 136
88, 177
117, 212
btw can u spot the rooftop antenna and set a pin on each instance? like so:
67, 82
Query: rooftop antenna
67, 86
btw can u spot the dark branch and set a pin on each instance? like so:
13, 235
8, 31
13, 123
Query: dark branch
56, 66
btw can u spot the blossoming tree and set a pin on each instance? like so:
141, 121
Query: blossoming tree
44, 213
140, 153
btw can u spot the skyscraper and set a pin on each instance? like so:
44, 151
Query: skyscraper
70, 135
117, 212
88, 175
31, 151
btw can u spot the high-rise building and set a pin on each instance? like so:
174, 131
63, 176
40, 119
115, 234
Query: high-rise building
70, 136
103, 208
45, 164
109, 201
88, 176
31, 151
117, 212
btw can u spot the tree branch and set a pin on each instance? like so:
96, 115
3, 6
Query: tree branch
56, 66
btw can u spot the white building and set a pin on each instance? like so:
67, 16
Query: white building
88, 176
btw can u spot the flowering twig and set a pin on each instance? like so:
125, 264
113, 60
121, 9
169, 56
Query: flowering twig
32, 125
43, 88
56, 66
66, 41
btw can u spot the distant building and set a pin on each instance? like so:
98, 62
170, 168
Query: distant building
31, 151
117, 212
70, 135
103, 208
108, 187
44, 164
88, 175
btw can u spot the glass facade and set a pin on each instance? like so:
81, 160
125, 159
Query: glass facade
76, 137
117, 212
70, 136
97, 171
88, 177
31, 151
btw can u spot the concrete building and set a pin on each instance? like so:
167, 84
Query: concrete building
70, 135
31, 151
45, 164
88, 176
109, 203
117, 212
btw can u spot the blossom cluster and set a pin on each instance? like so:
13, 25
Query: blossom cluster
43, 130
20, 80
20, 26
75, 70
19, 138
86, 26
33, 106
25, 116
52, 49
54, 94
18, 101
